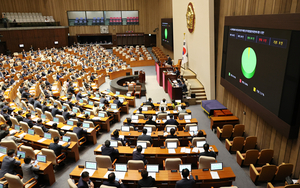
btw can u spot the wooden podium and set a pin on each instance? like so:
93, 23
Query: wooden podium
142, 77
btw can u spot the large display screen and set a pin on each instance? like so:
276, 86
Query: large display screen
255, 63
167, 33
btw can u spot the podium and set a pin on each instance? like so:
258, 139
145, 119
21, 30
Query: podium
142, 77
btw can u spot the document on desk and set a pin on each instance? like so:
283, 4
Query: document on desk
116, 110
61, 143
119, 175
50, 123
42, 140
99, 149
171, 151
21, 135
89, 130
135, 121
166, 133
1, 154
152, 174
96, 118
65, 127
164, 120
90, 171
121, 136
214, 175
12, 131
195, 150
175, 111
182, 150
188, 121
187, 150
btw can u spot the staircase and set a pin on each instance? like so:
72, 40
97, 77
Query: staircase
196, 87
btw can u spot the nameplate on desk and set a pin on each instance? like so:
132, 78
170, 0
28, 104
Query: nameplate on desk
185, 150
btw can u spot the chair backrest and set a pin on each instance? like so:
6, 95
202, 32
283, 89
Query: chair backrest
283, 171
91, 111
227, 131
10, 144
49, 115
39, 112
50, 155
14, 121
266, 156
140, 116
106, 186
24, 104
181, 115
73, 136
30, 107
130, 88
148, 142
195, 139
237, 144
38, 130
14, 181
61, 118
177, 106
292, 186
149, 107
103, 161
2, 119
152, 126
250, 143
54, 133
89, 122
135, 164
58, 104
71, 183
74, 120
138, 88
68, 107
172, 163
25, 126
29, 151
78, 110
174, 126
238, 130
267, 173
204, 162
187, 126
251, 156
162, 116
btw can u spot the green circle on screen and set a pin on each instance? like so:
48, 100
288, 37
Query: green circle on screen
166, 33
248, 62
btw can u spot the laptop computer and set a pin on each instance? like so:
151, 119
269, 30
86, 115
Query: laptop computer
3, 150
64, 107
101, 104
101, 114
66, 138
41, 158
117, 92
149, 130
108, 90
125, 128
24, 108
188, 117
169, 129
107, 98
144, 108
113, 106
85, 125
56, 120
1, 185
74, 110
21, 154
97, 96
91, 165
121, 100
17, 127
216, 166
31, 131
87, 112
193, 128
185, 166
91, 103
171, 145
81, 100
153, 168
121, 167
134, 117
199, 144
47, 135
43, 117
114, 143
143, 144
69, 122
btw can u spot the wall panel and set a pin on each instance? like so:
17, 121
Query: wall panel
285, 150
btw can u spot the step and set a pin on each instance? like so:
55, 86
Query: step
201, 97
197, 90
200, 94
198, 101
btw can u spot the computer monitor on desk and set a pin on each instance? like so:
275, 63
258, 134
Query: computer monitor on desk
143, 144
113, 106
135, 117
31, 131
216, 166
200, 144
188, 117
3, 150
47, 135
41, 158
171, 145
185, 166
153, 168
125, 128
91, 165
169, 128
121, 167
114, 143
21, 154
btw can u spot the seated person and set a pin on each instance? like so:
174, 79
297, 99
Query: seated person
61, 133
67, 115
110, 151
117, 101
7, 136
79, 130
150, 121
139, 110
45, 107
172, 134
58, 148
146, 181
8, 163
84, 181
29, 170
149, 102
129, 123
137, 155
200, 134
28, 120
25, 94
164, 101
185, 182
40, 124
206, 152
116, 137
111, 181
171, 121
145, 137
55, 111
182, 110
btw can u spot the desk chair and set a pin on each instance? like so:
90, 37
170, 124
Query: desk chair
106, 186
238, 130
61, 118
149, 107
71, 183
78, 110
283, 170
52, 157
162, 116
24, 126
39, 112
173, 126
15, 181
195, 139
24, 104
89, 122
138, 90
235, 145
31, 107
74, 120
51, 98
140, 116
270, 185
226, 132
181, 115
135, 164
68, 107
38, 130
29, 151
172, 163
250, 143
92, 112
204, 162
131, 89
177, 106
148, 143
152, 126
104, 161
245, 159
262, 174
187, 126
54, 133
49, 115
74, 138
172, 140
14, 121
2, 119
10, 144
265, 156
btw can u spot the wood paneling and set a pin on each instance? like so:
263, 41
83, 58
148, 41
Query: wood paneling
285, 150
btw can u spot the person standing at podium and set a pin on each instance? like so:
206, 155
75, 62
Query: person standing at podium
169, 60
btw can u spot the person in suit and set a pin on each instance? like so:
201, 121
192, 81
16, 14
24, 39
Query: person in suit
149, 102
117, 101
69, 101
79, 130
116, 137
145, 137
146, 181
110, 151
185, 182
55, 111
169, 60
79, 95
111, 181
37, 104
171, 121
182, 110
19, 116
45, 107
137, 155
39, 124
150, 121
103, 99
67, 115
206, 152
28, 170
57, 148
6, 116
7, 137
177, 72
84, 181
54, 126
172, 134
28, 120
71, 89
8, 163
130, 124
25, 94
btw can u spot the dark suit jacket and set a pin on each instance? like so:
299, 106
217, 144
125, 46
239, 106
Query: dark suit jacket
7, 166
185, 183
29, 122
55, 111
45, 108
79, 131
19, 118
78, 96
82, 184
43, 127
70, 104
151, 122
138, 156
31, 101
71, 90
208, 154
145, 138
110, 151
37, 104
118, 103
66, 115
114, 184
57, 148
172, 136
171, 122
148, 182
25, 95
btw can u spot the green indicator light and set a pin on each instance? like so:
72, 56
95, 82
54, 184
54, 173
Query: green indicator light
248, 61
166, 33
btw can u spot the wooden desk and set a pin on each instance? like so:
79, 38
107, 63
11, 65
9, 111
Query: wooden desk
154, 112
159, 72
166, 77
119, 73
158, 137
45, 168
73, 150
103, 121
164, 178
141, 63
223, 120
156, 155
131, 99
174, 92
